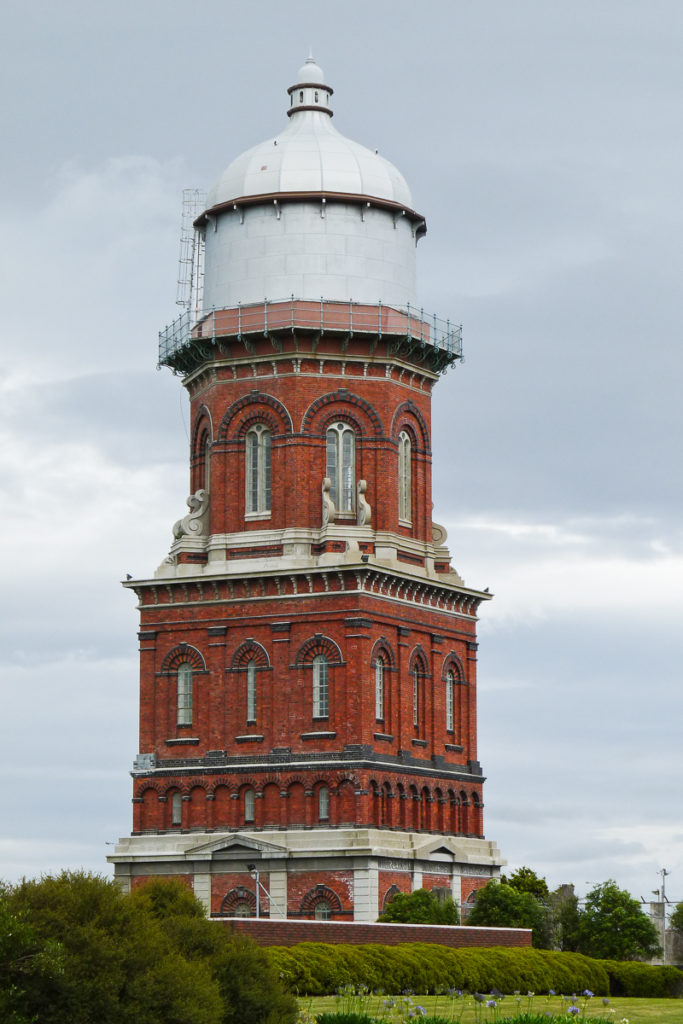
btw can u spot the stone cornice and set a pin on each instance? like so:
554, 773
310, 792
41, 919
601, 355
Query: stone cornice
311, 582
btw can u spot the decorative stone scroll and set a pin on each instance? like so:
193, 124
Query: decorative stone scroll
329, 509
364, 509
195, 523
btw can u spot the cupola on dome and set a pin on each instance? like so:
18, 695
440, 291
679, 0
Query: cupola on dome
310, 155
310, 214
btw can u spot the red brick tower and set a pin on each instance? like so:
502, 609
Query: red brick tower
307, 652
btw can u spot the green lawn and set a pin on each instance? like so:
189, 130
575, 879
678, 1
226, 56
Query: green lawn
466, 1011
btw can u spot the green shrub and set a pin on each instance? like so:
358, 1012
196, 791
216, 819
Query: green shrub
630, 978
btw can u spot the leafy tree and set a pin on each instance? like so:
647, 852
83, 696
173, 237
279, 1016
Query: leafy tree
420, 907
117, 965
564, 905
612, 926
526, 880
501, 905
249, 986
676, 919
22, 957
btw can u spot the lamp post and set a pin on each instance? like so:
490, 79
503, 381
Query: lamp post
253, 871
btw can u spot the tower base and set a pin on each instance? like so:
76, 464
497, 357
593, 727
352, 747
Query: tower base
324, 874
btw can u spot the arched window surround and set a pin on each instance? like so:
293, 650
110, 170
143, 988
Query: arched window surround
452, 674
316, 895
237, 898
418, 674
320, 654
382, 662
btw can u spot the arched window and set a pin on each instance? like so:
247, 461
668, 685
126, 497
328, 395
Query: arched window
241, 909
418, 692
379, 688
340, 467
404, 477
251, 691
323, 803
185, 693
321, 686
323, 911
248, 805
258, 469
450, 700
176, 809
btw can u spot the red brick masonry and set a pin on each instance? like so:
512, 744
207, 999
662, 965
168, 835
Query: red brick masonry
289, 933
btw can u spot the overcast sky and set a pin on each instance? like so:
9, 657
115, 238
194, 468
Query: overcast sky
542, 141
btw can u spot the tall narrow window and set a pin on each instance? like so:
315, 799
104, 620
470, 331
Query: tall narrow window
258, 469
418, 696
321, 687
248, 805
450, 698
176, 809
185, 694
251, 691
207, 464
323, 803
379, 688
341, 443
404, 477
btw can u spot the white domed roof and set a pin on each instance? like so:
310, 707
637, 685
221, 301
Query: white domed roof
310, 155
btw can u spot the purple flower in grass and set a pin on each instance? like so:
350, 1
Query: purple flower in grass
587, 992
574, 1010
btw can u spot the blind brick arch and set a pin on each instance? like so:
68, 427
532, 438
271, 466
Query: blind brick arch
251, 409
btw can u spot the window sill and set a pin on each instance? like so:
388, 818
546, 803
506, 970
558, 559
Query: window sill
383, 736
252, 516
190, 740
406, 522
255, 738
318, 735
419, 743
455, 747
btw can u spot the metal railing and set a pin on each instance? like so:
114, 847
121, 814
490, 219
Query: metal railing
272, 316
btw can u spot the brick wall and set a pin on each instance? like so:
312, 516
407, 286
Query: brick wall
289, 933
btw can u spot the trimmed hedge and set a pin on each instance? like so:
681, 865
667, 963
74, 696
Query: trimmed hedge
317, 969
631, 978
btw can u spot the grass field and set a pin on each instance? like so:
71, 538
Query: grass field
466, 1011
